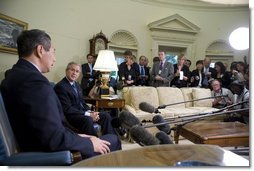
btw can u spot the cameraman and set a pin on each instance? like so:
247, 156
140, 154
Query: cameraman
95, 91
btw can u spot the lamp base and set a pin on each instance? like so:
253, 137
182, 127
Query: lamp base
104, 92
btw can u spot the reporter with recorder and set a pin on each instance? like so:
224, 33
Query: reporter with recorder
218, 90
242, 95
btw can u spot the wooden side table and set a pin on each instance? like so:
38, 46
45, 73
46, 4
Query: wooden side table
224, 134
105, 103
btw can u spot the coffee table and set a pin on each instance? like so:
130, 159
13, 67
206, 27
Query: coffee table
166, 155
220, 133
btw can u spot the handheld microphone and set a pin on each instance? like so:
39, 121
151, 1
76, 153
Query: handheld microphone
141, 136
146, 107
163, 137
158, 119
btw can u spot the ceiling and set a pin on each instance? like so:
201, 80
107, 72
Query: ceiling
227, 2
199, 4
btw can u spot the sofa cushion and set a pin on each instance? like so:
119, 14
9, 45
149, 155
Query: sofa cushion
125, 93
169, 95
187, 95
143, 94
199, 93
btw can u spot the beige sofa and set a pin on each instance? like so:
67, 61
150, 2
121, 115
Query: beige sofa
167, 95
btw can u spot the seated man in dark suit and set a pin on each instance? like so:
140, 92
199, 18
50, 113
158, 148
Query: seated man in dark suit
33, 108
75, 109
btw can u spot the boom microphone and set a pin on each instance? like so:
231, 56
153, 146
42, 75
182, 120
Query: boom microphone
128, 120
146, 107
157, 119
163, 137
115, 122
196, 117
141, 136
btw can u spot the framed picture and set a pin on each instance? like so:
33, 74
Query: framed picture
10, 28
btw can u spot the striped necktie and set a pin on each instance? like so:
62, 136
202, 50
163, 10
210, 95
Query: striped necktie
161, 65
75, 88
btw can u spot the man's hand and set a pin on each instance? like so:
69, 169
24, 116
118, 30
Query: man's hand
95, 116
100, 146
157, 77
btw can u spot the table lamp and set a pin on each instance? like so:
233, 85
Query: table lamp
105, 63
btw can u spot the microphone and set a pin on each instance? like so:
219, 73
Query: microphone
125, 120
141, 136
115, 122
146, 107
158, 119
128, 120
163, 137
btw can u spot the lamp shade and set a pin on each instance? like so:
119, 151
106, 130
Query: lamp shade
239, 38
106, 61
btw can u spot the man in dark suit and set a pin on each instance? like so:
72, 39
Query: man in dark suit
144, 75
77, 112
162, 72
34, 110
209, 72
89, 75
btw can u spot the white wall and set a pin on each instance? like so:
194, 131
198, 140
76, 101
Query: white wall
71, 23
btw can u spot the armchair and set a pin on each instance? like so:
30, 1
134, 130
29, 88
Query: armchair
10, 156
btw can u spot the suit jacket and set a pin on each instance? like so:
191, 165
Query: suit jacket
176, 80
213, 72
35, 113
195, 74
69, 99
85, 82
124, 72
141, 80
167, 73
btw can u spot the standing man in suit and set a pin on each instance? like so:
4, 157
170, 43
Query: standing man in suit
144, 75
209, 72
89, 75
76, 111
33, 108
162, 72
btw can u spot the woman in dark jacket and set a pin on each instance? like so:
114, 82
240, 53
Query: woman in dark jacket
222, 75
181, 81
129, 72
197, 75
